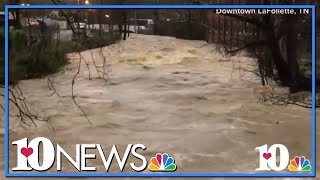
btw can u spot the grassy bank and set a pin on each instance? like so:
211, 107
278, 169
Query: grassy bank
39, 59
46, 56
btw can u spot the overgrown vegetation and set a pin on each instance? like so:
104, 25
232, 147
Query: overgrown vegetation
36, 52
38, 59
95, 41
45, 56
273, 39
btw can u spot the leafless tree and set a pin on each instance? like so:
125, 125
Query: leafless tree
271, 29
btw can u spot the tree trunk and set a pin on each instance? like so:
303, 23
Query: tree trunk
17, 20
190, 23
291, 48
278, 60
124, 16
99, 19
156, 20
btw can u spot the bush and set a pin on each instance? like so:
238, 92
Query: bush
106, 39
92, 42
44, 56
39, 59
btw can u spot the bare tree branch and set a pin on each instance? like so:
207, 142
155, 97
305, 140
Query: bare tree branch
248, 45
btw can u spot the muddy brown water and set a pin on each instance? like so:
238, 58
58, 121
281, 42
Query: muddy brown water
173, 96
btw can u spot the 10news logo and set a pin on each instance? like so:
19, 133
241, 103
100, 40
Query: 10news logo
28, 157
268, 159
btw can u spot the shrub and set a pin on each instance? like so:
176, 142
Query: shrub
41, 58
44, 56
95, 41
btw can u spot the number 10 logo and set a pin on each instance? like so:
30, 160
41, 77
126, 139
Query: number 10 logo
268, 160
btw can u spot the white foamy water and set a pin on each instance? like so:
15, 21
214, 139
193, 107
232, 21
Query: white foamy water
171, 95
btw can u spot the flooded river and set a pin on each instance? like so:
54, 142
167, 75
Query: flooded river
175, 96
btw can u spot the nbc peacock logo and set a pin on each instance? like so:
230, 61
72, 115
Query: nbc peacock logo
162, 162
299, 163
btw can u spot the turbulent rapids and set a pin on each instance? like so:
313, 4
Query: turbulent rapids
174, 96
